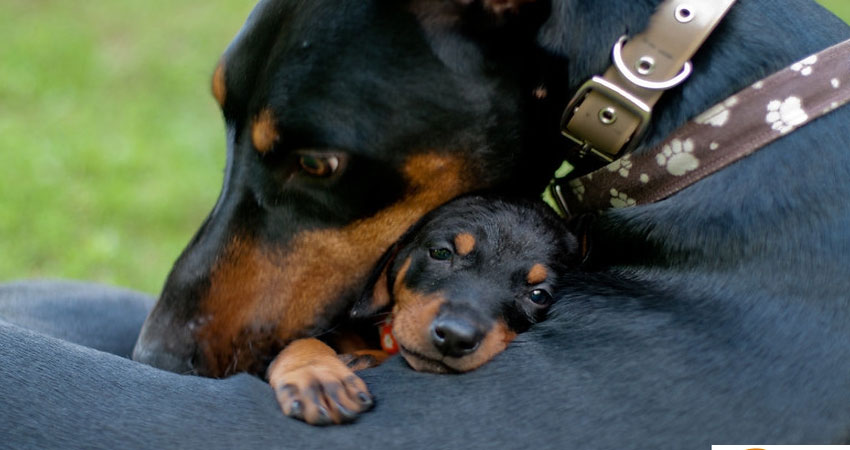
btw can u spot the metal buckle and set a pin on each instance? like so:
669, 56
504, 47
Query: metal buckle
558, 195
617, 96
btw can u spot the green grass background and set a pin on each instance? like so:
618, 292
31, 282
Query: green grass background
111, 148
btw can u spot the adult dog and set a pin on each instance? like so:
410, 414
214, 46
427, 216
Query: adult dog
720, 314
346, 123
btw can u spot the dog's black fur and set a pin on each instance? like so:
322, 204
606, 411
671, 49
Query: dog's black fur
719, 315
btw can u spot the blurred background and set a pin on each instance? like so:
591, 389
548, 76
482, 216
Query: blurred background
111, 147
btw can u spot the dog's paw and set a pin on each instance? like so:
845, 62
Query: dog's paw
313, 385
363, 359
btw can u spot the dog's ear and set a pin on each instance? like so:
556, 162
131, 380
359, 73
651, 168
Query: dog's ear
377, 294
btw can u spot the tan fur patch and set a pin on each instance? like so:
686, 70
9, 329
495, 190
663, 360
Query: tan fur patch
499, 7
380, 292
291, 288
365, 359
304, 352
412, 318
398, 285
413, 314
464, 243
305, 364
537, 274
540, 92
264, 133
495, 342
219, 86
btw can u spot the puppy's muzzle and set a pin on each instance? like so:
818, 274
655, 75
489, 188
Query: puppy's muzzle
456, 335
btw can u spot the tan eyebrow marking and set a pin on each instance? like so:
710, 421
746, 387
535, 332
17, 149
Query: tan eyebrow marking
219, 86
464, 243
264, 131
537, 274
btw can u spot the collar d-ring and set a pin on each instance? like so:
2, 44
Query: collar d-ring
617, 57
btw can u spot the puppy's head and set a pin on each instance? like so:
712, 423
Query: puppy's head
468, 277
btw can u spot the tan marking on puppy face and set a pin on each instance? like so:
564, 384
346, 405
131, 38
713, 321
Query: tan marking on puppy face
289, 289
464, 243
264, 133
380, 292
537, 274
413, 314
497, 339
219, 87
398, 284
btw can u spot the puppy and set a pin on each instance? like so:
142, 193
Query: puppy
467, 278
456, 289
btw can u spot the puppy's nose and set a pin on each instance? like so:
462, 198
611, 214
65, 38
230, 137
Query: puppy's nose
455, 336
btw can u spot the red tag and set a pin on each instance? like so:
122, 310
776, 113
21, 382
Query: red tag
388, 342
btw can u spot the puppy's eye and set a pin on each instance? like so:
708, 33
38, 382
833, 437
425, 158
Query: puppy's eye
440, 254
320, 166
540, 297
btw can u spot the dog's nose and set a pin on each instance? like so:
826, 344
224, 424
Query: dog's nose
165, 345
455, 336
155, 355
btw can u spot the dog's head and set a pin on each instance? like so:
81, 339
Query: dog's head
347, 120
469, 277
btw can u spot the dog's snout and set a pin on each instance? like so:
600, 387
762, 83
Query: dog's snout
165, 345
455, 336
157, 356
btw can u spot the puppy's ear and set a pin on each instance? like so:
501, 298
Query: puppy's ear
377, 294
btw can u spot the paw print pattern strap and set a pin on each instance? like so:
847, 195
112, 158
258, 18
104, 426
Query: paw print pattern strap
760, 114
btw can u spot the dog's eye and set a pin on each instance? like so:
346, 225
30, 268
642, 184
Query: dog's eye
440, 254
319, 166
540, 297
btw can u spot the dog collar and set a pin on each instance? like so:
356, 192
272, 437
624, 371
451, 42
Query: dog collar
385, 332
610, 113
727, 132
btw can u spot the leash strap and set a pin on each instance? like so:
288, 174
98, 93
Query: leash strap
727, 132
610, 113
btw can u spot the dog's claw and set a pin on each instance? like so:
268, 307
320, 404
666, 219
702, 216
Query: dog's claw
324, 416
365, 399
296, 410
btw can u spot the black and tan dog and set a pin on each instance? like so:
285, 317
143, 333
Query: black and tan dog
469, 277
718, 314
320, 181
459, 285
